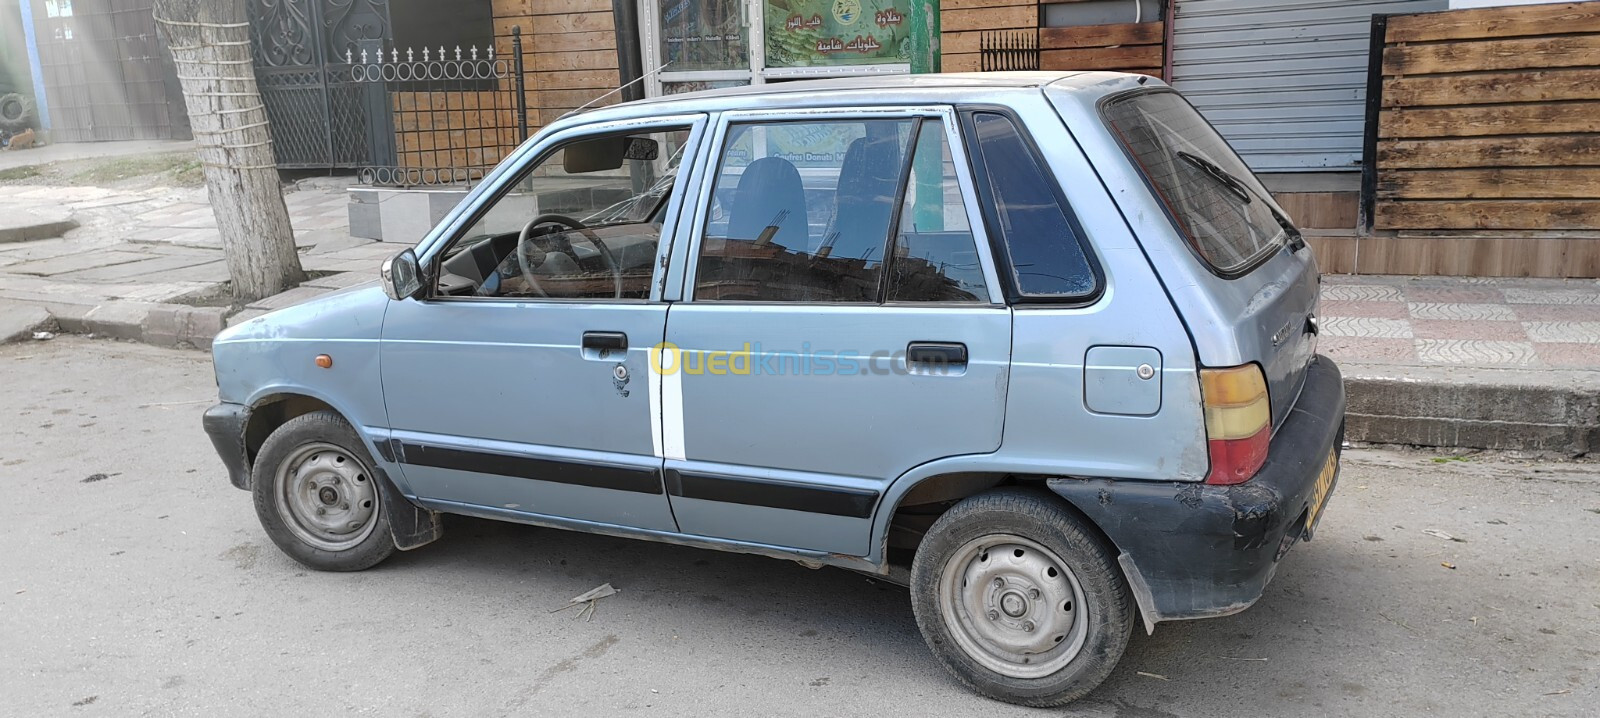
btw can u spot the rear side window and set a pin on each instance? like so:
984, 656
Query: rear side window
1024, 211
1221, 209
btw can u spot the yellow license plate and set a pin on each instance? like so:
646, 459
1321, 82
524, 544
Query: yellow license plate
1324, 486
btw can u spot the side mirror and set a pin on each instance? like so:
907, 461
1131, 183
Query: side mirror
402, 275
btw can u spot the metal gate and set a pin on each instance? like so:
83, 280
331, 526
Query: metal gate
1283, 80
107, 73
321, 115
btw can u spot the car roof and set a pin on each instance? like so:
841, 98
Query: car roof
865, 90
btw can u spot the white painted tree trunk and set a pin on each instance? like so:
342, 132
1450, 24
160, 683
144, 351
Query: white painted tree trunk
210, 42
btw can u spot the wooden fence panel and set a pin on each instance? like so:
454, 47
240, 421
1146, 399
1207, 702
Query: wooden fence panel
1122, 47
1489, 128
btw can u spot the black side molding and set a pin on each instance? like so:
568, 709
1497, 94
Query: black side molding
599, 476
831, 500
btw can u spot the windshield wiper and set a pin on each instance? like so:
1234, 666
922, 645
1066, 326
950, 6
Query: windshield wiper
1297, 241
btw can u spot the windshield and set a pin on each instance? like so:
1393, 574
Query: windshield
1222, 210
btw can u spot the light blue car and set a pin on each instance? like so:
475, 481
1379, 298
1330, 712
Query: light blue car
1037, 345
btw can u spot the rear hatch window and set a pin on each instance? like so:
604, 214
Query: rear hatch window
1222, 210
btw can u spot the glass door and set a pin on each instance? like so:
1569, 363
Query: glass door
704, 44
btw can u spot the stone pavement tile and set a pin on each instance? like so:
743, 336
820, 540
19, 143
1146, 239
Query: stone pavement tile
320, 222
1586, 356
211, 272
341, 280
198, 238
1564, 332
1461, 329
1557, 312
1366, 327
1469, 312
42, 249
178, 249
1454, 294
76, 262
136, 271
1575, 295
289, 298
1475, 352
345, 241
1361, 293
372, 250
1369, 350
156, 292
1383, 310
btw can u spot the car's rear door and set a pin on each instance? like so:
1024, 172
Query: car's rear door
837, 326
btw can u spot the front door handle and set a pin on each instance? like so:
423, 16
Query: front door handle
940, 353
605, 341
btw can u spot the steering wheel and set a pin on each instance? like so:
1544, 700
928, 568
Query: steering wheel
560, 242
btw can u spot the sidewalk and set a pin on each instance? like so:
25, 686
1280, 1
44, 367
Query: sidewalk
1432, 361
144, 264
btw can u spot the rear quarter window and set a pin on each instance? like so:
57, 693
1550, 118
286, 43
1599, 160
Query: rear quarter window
1217, 204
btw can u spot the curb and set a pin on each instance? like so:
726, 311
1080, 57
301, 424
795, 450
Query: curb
19, 321
163, 325
1544, 410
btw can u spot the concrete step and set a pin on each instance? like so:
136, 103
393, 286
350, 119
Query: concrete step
1541, 410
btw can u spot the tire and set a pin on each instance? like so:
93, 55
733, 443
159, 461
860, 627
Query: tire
991, 585
16, 112
317, 495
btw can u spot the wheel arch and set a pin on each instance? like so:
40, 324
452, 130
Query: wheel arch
947, 481
270, 408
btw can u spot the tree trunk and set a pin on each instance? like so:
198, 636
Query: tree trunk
210, 42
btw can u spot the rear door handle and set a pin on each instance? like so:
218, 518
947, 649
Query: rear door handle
605, 341
944, 353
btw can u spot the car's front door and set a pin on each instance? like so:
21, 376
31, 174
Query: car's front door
517, 385
838, 326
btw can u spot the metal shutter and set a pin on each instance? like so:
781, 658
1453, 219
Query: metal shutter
1284, 81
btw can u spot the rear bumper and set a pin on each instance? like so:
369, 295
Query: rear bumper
1195, 551
225, 424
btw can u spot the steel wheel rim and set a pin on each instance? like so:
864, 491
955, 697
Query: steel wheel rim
1013, 606
326, 497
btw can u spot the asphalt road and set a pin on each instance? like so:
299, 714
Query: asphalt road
135, 581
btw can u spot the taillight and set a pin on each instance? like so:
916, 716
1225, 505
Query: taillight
1238, 422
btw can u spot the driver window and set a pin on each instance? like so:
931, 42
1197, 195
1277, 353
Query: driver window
584, 222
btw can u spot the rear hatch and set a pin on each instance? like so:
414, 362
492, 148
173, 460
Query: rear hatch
1254, 295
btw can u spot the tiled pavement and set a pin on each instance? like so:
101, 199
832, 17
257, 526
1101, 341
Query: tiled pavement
159, 245
1462, 321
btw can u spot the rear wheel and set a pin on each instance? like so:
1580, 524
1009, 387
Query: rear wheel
1019, 600
316, 493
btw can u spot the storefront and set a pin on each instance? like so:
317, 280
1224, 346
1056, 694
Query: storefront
702, 44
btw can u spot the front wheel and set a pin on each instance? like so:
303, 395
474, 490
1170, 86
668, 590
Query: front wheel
316, 493
1019, 600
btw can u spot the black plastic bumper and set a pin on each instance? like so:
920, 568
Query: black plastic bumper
1193, 550
225, 423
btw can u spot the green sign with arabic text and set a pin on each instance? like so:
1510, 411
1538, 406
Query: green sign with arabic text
822, 33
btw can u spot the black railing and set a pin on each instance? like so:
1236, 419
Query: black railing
1006, 50
455, 112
